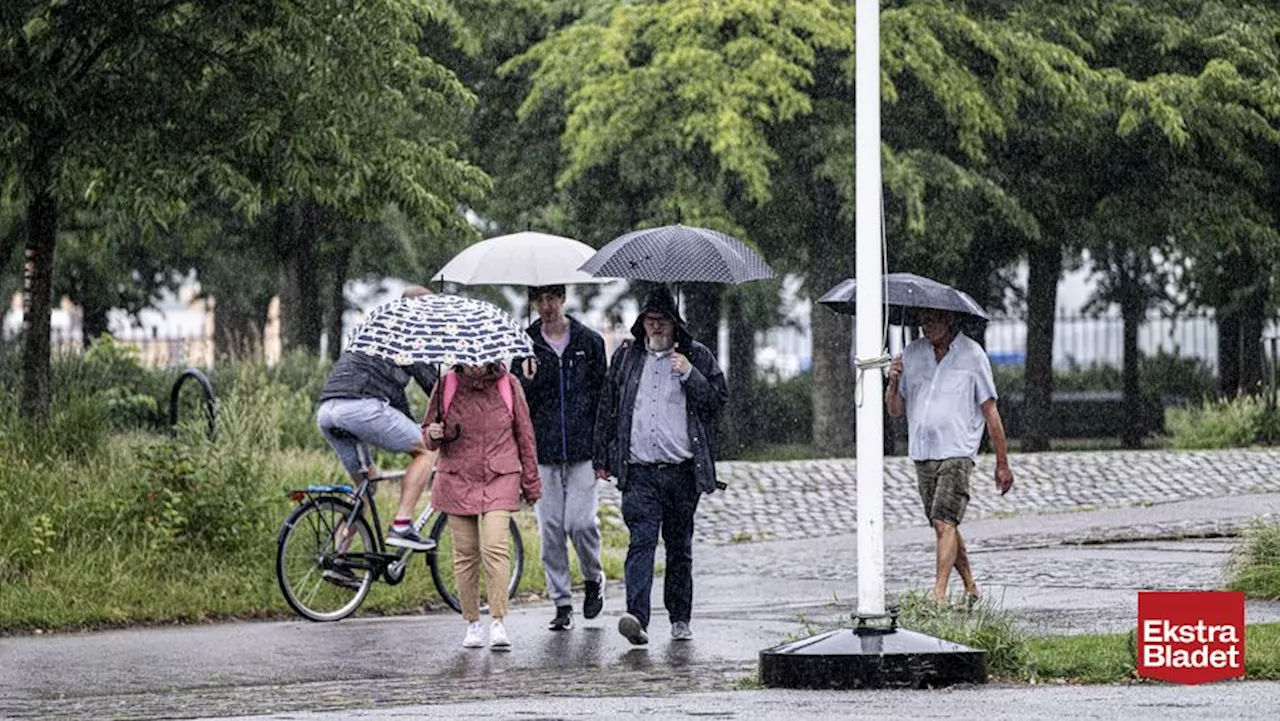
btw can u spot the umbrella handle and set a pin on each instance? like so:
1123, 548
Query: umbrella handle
457, 431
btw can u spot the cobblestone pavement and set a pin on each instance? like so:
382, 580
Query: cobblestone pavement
811, 499
1059, 573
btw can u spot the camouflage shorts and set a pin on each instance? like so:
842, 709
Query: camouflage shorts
944, 488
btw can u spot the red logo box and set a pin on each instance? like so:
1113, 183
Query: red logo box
1190, 636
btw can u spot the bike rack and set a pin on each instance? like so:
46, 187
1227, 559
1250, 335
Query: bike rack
210, 400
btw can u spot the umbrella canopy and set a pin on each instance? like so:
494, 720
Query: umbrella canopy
906, 294
527, 258
446, 329
678, 254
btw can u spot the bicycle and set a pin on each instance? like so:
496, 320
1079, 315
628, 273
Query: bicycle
328, 556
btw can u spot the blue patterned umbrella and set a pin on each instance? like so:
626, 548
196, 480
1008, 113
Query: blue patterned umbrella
678, 254
446, 329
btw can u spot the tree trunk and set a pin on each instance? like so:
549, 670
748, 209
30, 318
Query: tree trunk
301, 319
1252, 324
739, 428
337, 302
1045, 261
42, 234
701, 311
237, 331
1228, 351
93, 322
833, 382
1132, 312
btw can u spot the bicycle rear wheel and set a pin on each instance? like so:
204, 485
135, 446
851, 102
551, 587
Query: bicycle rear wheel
318, 579
440, 561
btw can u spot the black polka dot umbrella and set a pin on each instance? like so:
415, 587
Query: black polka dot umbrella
446, 329
678, 254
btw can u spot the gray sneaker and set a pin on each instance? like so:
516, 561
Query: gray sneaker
409, 538
680, 631
630, 627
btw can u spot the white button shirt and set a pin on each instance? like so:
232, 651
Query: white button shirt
944, 398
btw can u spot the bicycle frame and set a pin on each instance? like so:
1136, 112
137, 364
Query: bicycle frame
383, 561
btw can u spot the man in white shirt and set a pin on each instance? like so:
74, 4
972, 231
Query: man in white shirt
943, 384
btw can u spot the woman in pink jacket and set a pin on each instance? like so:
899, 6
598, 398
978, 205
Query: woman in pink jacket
483, 470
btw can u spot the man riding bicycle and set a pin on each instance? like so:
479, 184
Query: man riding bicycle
364, 401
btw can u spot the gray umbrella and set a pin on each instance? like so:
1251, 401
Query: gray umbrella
678, 254
906, 294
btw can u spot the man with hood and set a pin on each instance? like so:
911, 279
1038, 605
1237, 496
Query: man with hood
655, 433
562, 383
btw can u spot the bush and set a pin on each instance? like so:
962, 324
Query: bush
208, 496
783, 410
780, 415
279, 402
1163, 375
1233, 423
1255, 567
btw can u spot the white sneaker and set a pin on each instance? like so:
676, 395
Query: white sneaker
498, 640
475, 636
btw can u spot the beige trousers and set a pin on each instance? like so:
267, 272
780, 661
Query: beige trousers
477, 538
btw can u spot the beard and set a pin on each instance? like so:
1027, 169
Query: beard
660, 343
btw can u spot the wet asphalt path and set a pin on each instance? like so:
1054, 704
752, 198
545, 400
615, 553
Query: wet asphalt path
1060, 573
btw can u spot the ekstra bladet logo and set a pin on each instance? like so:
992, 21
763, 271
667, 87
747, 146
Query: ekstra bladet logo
1190, 636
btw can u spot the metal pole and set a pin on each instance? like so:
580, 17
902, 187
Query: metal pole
870, 436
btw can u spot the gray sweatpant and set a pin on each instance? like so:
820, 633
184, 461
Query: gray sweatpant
567, 509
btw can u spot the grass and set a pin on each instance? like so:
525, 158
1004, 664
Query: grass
102, 526
1013, 655
1255, 567
1231, 423
1110, 658
983, 625
84, 580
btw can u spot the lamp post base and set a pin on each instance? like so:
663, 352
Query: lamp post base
871, 658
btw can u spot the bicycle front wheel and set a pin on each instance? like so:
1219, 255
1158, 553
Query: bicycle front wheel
320, 560
440, 561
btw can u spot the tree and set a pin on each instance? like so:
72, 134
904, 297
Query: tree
135, 106
1189, 162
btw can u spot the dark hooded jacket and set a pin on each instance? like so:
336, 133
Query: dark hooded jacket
705, 392
564, 394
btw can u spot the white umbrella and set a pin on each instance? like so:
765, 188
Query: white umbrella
526, 258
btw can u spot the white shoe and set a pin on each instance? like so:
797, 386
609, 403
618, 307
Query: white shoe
498, 640
475, 636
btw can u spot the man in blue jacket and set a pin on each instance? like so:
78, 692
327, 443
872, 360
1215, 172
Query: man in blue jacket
562, 385
655, 433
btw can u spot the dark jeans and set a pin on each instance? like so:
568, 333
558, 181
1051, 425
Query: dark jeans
660, 499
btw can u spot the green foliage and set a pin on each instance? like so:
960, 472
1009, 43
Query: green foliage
1082, 659
1163, 375
1111, 658
1255, 566
102, 526
983, 626
1231, 423
207, 496
783, 411
137, 112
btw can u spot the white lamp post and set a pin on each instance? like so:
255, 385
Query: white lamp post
868, 336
